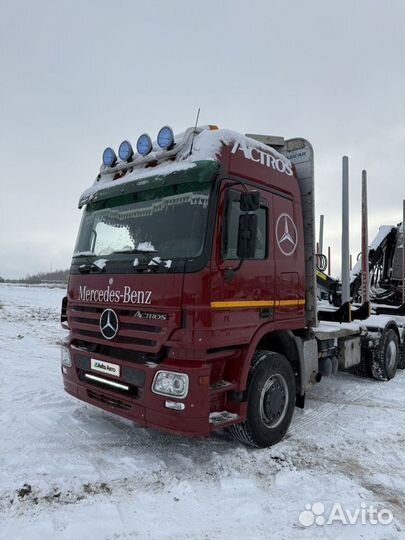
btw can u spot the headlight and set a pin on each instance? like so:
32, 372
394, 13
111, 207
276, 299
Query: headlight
169, 383
65, 357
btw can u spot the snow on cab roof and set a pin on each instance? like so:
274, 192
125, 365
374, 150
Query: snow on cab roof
206, 145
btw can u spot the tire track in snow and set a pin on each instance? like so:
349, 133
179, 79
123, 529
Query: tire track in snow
313, 417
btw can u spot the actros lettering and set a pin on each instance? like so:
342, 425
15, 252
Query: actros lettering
127, 296
258, 156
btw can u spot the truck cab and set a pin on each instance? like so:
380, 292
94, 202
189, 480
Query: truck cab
192, 297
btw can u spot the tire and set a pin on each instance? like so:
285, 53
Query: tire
384, 360
271, 401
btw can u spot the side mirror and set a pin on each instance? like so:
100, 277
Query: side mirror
247, 234
250, 201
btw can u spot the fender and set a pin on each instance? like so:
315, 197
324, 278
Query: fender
263, 331
390, 324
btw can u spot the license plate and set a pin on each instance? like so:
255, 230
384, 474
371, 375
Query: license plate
105, 367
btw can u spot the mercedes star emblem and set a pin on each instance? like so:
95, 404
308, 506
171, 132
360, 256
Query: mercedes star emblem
286, 234
109, 323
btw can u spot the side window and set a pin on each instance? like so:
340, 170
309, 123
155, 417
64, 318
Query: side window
230, 230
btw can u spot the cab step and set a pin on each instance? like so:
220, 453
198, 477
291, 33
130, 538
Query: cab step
222, 419
221, 386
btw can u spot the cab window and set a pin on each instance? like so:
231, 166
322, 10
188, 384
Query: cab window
231, 225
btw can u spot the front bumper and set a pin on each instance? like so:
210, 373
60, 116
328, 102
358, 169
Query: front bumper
140, 404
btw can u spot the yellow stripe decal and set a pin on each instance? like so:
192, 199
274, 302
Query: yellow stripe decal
297, 302
257, 303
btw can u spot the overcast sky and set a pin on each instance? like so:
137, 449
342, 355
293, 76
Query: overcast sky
79, 76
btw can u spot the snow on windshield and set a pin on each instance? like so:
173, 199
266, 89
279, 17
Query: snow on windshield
100, 263
145, 246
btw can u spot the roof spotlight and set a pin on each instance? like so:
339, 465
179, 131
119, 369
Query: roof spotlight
109, 157
144, 144
165, 138
125, 151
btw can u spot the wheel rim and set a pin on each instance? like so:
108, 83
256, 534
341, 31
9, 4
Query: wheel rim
274, 401
391, 355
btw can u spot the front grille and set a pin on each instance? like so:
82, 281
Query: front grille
120, 354
146, 337
125, 326
121, 339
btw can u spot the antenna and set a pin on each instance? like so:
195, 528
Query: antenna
195, 128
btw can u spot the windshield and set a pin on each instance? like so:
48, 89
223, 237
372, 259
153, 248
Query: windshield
169, 220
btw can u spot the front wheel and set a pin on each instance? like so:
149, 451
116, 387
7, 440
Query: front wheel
271, 400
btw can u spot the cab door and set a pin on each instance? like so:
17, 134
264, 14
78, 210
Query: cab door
242, 292
288, 260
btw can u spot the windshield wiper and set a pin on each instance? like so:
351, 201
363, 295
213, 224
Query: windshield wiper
155, 261
87, 267
136, 251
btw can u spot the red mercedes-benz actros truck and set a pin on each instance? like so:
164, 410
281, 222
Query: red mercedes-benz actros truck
192, 300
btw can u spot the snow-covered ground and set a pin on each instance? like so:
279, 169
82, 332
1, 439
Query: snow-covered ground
71, 471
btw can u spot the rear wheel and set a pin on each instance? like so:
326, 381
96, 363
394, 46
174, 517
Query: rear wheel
271, 400
384, 361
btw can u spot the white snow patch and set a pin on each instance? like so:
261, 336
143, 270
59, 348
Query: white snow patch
328, 326
208, 144
151, 365
107, 180
83, 253
356, 326
100, 263
88, 470
155, 261
145, 246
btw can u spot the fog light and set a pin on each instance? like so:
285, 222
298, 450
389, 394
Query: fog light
65, 357
165, 138
169, 383
175, 405
109, 157
125, 151
144, 144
